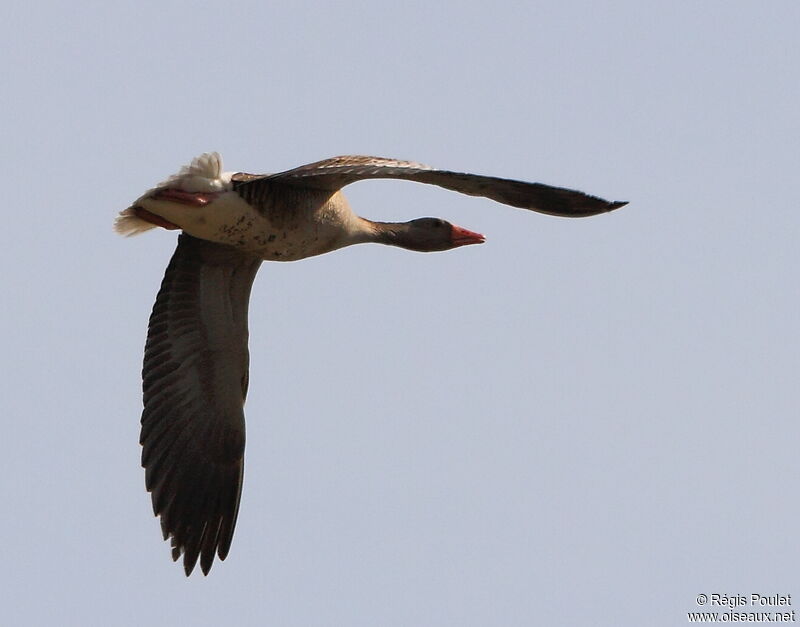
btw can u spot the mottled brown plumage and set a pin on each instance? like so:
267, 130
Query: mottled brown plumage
195, 372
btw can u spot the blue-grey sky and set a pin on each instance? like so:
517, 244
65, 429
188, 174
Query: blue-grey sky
579, 422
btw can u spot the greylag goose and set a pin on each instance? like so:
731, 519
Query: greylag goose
195, 372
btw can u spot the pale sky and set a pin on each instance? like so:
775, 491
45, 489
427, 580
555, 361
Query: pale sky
580, 422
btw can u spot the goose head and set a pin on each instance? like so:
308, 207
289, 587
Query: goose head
425, 235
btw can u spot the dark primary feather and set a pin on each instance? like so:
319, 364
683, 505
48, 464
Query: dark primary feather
333, 174
195, 382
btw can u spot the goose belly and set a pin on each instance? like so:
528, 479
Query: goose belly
232, 221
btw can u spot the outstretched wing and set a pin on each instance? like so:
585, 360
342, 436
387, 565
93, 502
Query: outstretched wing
195, 382
333, 174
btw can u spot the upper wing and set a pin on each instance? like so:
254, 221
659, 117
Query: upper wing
333, 174
195, 382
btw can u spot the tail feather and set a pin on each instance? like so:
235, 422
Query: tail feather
203, 169
128, 223
203, 174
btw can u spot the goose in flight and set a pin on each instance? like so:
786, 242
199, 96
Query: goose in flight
195, 372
